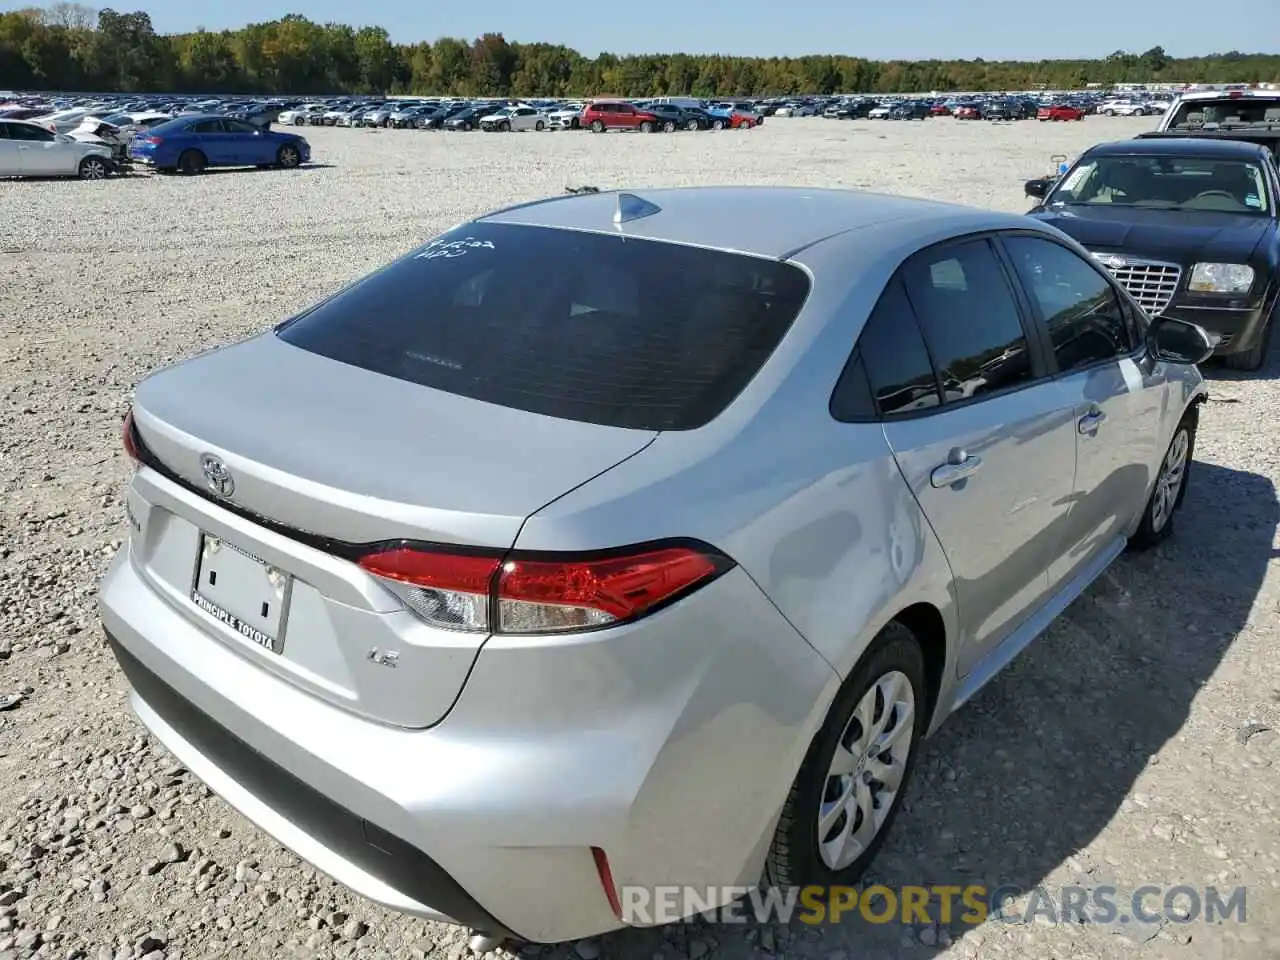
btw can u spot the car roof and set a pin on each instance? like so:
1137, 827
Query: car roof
776, 222
25, 123
1204, 147
1230, 95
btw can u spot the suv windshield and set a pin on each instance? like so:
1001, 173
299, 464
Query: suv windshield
1169, 183
582, 326
1228, 110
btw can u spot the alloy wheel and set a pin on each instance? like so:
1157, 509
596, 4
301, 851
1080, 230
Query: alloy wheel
867, 770
1173, 471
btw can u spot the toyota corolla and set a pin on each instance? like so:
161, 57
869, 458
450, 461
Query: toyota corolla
622, 540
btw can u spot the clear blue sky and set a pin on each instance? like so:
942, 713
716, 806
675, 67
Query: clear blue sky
917, 29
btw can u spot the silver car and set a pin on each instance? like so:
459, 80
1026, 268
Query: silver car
614, 540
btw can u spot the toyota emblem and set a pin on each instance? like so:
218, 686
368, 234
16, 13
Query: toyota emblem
217, 475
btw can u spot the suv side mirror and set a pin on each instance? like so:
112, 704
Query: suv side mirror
1038, 188
1176, 341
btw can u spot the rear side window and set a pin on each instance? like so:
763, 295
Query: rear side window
970, 319
893, 354
581, 326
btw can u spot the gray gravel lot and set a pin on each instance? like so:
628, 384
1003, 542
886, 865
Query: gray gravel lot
1138, 742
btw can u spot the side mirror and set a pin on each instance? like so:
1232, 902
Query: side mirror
1176, 341
1038, 188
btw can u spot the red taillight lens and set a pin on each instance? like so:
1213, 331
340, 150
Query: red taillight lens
131, 439
154, 141
537, 596
484, 592
446, 589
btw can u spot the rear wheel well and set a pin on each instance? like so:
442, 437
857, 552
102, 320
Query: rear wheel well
925, 621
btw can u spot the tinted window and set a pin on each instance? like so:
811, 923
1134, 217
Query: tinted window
582, 326
207, 126
898, 370
969, 319
238, 126
26, 131
1083, 314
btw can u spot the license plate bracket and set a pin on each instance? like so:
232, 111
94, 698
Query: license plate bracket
242, 591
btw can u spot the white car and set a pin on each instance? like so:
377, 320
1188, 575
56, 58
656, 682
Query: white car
29, 150
62, 121
568, 117
1123, 108
880, 112
515, 118
307, 114
794, 110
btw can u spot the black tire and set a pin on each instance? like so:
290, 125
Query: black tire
575, 124
1108, 113
794, 857
646, 126
717, 124
539, 126
93, 168
597, 126
1139, 112
1153, 529
692, 125
668, 126
192, 162
505, 126
288, 156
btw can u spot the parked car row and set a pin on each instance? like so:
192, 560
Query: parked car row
187, 144
599, 115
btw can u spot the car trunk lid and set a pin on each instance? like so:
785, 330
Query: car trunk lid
324, 457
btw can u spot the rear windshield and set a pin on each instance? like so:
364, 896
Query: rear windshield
1232, 111
582, 326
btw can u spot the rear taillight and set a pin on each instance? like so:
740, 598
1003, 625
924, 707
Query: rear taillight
543, 593
154, 141
131, 439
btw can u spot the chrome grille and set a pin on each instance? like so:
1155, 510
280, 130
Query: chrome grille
1150, 282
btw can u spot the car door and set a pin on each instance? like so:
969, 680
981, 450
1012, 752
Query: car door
247, 144
41, 153
625, 116
1097, 353
211, 140
988, 447
9, 157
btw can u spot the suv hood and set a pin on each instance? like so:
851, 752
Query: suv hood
1179, 236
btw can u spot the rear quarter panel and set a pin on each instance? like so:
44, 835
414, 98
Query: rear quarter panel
814, 510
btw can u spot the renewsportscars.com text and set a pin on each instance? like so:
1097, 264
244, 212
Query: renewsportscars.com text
946, 904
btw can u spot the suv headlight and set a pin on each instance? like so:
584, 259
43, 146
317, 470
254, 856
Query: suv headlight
1220, 278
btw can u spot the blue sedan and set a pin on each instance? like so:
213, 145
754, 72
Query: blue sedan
189, 144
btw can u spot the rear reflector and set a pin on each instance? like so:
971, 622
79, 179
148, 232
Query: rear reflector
131, 439
543, 593
606, 880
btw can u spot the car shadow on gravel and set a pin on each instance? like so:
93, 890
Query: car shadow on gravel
1025, 777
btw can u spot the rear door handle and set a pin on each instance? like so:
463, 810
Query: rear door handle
955, 470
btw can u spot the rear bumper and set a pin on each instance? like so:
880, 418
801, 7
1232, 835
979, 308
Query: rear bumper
670, 744
375, 863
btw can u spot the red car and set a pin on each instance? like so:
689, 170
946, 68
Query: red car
1059, 112
968, 113
602, 115
939, 110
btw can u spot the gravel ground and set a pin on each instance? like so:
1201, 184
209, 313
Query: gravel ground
1137, 742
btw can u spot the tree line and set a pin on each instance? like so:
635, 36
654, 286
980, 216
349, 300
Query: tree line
70, 47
